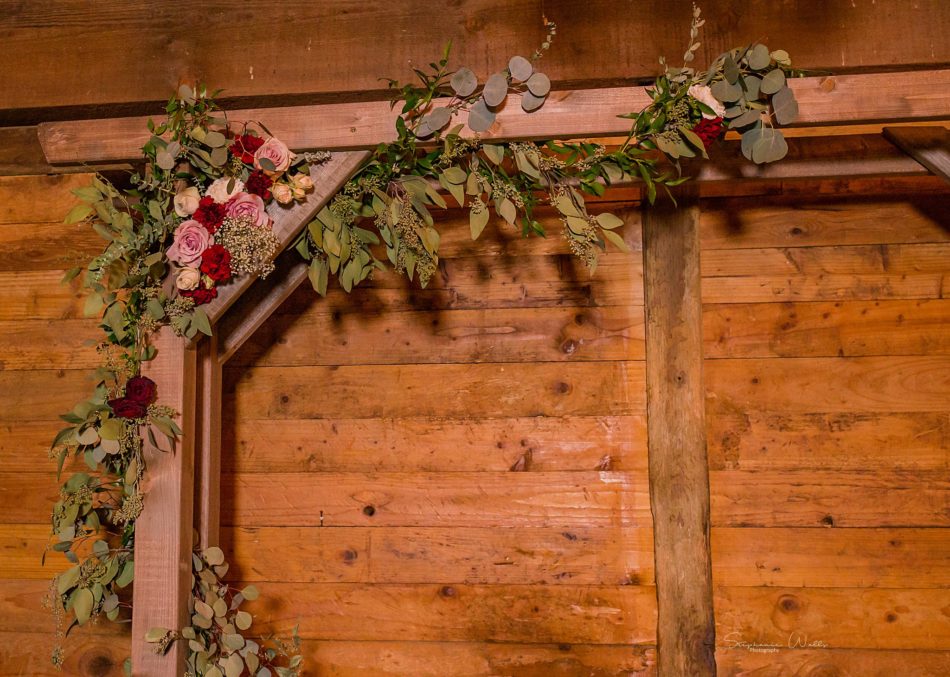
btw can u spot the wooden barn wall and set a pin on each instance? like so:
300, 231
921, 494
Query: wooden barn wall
44, 368
452, 481
827, 345
478, 451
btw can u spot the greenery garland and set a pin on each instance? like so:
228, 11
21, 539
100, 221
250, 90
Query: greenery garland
194, 220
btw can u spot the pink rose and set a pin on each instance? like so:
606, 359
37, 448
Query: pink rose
275, 151
191, 239
249, 206
283, 193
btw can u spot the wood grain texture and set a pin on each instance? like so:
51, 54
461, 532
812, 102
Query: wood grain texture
39, 296
164, 539
842, 558
833, 662
930, 146
756, 440
813, 498
486, 499
578, 113
827, 329
535, 443
835, 218
471, 659
841, 618
458, 336
858, 385
440, 390
322, 51
438, 612
676, 435
470, 555
208, 425
49, 344
23, 653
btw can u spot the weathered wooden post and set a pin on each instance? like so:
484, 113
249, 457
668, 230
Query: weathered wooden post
679, 476
164, 531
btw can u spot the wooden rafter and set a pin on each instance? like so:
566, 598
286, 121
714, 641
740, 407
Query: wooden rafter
567, 114
930, 146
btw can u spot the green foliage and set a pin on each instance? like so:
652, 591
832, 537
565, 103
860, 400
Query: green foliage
217, 640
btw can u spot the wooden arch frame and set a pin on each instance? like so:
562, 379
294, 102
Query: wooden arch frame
182, 487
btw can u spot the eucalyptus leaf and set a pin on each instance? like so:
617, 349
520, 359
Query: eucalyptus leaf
83, 604
496, 89
463, 82
507, 211
530, 102
758, 57
773, 81
609, 221
726, 91
480, 119
477, 222
539, 84
616, 240
520, 68
214, 555
784, 106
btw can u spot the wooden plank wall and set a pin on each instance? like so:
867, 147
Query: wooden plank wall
43, 372
462, 531
827, 338
451, 480
451, 443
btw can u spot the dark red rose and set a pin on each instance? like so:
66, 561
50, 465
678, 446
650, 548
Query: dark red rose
708, 130
209, 214
244, 146
141, 389
216, 263
259, 183
201, 295
126, 408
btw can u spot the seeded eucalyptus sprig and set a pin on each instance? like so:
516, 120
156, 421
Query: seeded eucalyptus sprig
390, 200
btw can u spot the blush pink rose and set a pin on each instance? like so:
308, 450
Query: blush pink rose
191, 239
275, 151
249, 206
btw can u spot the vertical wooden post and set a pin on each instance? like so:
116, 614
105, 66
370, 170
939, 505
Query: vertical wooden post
208, 443
164, 531
679, 474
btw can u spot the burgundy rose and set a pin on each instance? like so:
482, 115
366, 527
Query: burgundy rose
123, 407
216, 263
201, 295
209, 214
708, 130
141, 389
259, 184
244, 146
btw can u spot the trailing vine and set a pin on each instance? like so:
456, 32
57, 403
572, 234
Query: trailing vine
194, 219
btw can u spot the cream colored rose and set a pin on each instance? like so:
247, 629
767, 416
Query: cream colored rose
703, 94
283, 193
218, 191
186, 202
277, 153
188, 279
303, 182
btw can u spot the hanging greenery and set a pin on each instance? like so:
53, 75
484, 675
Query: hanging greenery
197, 217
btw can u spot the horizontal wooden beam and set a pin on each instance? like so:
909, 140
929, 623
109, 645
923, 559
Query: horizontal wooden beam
73, 58
930, 146
589, 113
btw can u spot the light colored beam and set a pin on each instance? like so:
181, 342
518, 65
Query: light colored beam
589, 113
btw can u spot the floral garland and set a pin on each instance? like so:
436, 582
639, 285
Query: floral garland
196, 219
